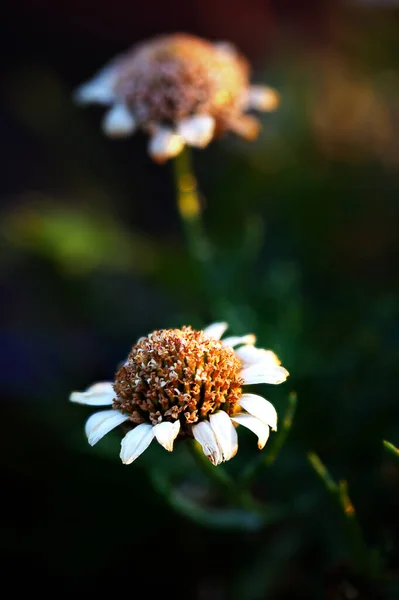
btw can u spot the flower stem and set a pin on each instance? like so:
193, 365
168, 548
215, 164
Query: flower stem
217, 474
393, 450
266, 459
189, 207
232, 492
363, 558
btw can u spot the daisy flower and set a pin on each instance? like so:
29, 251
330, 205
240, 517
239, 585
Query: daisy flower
180, 89
183, 383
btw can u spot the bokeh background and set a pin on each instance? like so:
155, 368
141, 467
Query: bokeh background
303, 225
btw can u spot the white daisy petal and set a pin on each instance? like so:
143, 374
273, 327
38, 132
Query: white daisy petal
249, 355
262, 373
197, 130
99, 90
101, 423
135, 442
165, 144
262, 97
215, 330
166, 433
225, 433
260, 408
256, 426
203, 433
119, 121
98, 394
236, 340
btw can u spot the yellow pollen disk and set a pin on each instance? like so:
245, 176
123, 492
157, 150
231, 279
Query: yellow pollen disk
178, 374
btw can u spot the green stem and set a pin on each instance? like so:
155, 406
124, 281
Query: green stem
232, 519
268, 458
232, 492
189, 207
361, 555
217, 474
393, 450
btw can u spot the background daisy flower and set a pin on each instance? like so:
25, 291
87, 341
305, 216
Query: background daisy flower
181, 89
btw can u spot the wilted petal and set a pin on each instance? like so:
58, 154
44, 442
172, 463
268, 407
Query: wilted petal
264, 373
101, 423
260, 408
246, 126
236, 340
98, 394
225, 433
215, 330
166, 433
135, 442
249, 355
203, 433
99, 90
256, 426
197, 131
119, 121
165, 144
262, 97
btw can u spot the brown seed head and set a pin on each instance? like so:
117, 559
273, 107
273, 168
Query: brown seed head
178, 374
176, 76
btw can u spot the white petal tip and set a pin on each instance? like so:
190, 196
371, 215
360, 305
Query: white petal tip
205, 436
264, 373
166, 433
119, 122
102, 423
225, 434
197, 131
237, 340
92, 93
255, 425
262, 97
135, 442
260, 408
216, 330
99, 394
165, 144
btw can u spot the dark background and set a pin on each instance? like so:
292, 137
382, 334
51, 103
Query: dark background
304, 227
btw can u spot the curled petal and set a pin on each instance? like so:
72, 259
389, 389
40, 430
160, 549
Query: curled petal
236, 340
262, 97
98, 394
166, 433
260, 408
256, 426
215, 330
119, 121
99, 90
204, 434
225, 433
165, 144
135, 442
197, 130
261, 373
102, 423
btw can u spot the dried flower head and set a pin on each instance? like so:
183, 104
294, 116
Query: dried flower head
182, 383
180, 89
